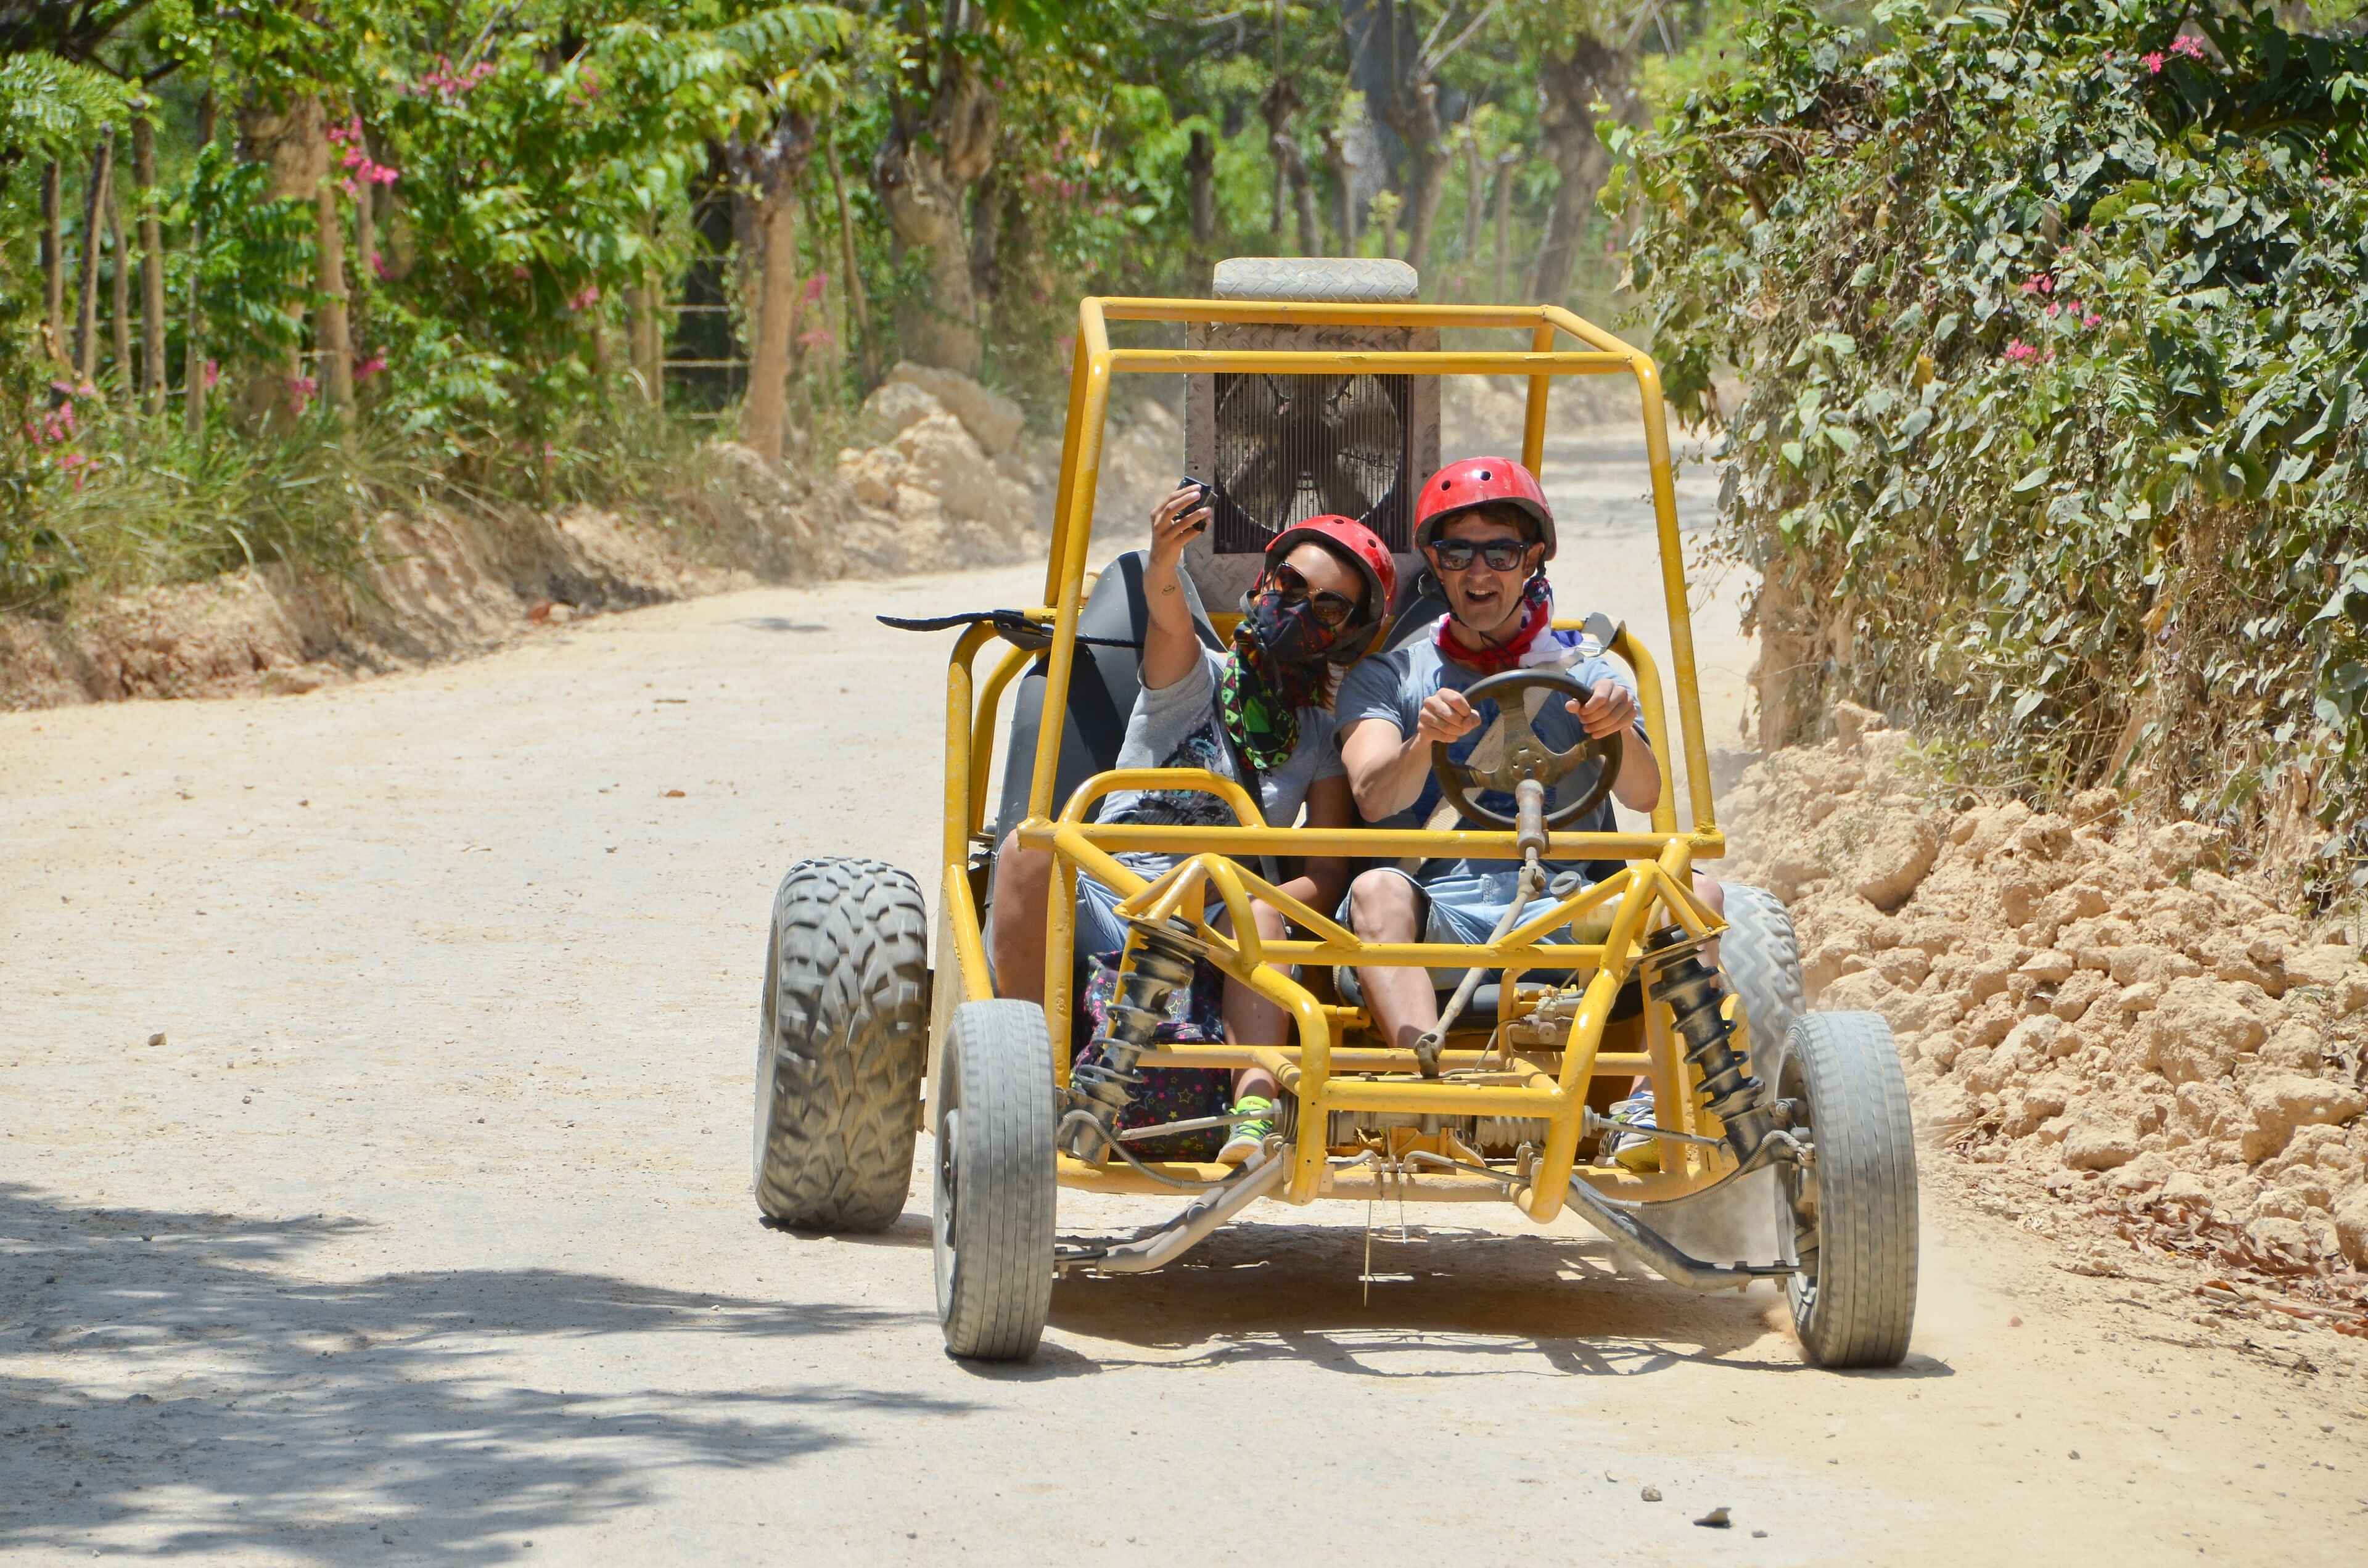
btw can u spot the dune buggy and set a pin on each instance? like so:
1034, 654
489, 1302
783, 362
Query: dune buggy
1783, 1139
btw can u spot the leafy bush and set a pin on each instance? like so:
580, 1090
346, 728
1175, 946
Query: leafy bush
2055, 323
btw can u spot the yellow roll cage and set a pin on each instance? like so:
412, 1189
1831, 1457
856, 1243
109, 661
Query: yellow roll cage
1549, 1087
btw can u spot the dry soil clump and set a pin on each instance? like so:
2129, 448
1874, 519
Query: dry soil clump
2100, 1006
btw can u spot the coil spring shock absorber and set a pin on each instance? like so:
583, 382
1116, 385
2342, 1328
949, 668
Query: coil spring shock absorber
1693, 991
1153, 967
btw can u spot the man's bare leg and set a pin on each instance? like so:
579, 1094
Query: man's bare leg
1384, 907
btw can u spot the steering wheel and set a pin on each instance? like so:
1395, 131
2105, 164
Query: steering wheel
1525, 753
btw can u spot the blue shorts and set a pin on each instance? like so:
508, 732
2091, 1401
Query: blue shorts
1464, 907
1099, 929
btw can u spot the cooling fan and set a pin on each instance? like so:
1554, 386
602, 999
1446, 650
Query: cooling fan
1290, 448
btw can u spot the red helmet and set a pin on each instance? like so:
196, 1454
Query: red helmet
1361, 547
1468, 483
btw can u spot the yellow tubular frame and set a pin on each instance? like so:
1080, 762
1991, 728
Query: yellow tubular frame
1210, 889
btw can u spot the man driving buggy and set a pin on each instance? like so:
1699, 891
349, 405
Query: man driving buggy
1261, 712
1484, 530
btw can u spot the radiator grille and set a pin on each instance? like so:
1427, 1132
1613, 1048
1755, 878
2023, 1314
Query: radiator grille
1290, 448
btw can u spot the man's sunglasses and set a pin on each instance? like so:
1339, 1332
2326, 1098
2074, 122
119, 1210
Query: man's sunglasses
1456, 554
1331, 610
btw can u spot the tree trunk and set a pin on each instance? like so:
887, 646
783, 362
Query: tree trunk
1293, 164
985, 242
289, 143
332, 327
1568, 83
1280, 106
920, 174
771, 170
1475, 196
1413, 112
119, 296
654, 321
1200, 176
193, 340
53, 265
857, 305
93, 207
1344, 213
152, 268
1505, 225
363, 271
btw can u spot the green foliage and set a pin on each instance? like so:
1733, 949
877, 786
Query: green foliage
49, 106
2054, 323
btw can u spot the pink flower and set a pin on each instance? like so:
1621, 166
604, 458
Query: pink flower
2056, 309
378, 265
813, 296
814, 339
369, 367
2019, 352
300, 392
213, 374
2153, 62
585, 298
2091, 319
2188, 45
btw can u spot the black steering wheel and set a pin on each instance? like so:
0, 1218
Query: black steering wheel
1526, 755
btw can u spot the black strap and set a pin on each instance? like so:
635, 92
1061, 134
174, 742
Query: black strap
1014, 627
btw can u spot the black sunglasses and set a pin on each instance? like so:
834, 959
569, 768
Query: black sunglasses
1331, 610
1456, 554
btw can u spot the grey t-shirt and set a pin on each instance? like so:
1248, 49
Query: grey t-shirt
1179, 726
1393, 687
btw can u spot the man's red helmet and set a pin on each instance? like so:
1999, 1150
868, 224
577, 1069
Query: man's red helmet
1361, 547
1469, 483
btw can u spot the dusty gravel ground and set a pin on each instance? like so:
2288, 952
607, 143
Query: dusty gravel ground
424, 1231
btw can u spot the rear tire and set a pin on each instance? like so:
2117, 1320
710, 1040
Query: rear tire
992, 1200
841, 1044
1761, 960
1853, 1210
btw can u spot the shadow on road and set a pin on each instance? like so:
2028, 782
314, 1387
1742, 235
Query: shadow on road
182, 1364
1261, 1292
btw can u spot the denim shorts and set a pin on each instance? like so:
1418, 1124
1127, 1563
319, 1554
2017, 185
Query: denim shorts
1464, 908
1099, 929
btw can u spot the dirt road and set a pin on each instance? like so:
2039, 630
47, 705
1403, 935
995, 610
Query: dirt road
423, 1231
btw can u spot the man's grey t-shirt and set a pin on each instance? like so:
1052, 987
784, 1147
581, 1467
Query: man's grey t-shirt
1392, 686
1178, 726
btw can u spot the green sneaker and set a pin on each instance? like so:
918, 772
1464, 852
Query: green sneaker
1249, 1136
1637, 1152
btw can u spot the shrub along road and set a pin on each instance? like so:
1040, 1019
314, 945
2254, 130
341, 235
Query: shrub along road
425, 1227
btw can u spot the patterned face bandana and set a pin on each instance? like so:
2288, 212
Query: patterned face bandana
1276, 669
1513, 652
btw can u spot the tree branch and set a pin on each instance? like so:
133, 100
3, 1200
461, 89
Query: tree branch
1441, 58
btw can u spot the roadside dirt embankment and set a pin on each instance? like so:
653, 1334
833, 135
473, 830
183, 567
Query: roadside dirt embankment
2100, 1008
942, 473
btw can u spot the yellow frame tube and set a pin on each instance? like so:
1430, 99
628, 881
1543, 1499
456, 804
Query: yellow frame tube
981, 729
961, 782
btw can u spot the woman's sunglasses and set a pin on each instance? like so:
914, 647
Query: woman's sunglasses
1456, 554
1331, 610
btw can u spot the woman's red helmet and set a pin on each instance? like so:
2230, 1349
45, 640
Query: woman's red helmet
1469, 483
1362, 548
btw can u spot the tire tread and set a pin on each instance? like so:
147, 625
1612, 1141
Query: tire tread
844, 1038
995, 1290
1864, 1308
